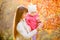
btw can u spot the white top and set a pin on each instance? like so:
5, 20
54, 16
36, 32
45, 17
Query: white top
25, 30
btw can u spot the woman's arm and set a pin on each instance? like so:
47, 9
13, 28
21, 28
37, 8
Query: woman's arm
24, 33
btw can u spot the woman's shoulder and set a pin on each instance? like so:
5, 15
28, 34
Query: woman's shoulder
19, 26
20, 23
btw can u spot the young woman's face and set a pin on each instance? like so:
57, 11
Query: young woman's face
24, 14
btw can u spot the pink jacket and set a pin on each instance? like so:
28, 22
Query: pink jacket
32, 21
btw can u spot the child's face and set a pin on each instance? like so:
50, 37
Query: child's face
33, 13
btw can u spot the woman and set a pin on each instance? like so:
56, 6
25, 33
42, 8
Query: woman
21, 30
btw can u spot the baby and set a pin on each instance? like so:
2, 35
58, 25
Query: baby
32, 17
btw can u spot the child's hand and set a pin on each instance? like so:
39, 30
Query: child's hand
40, 25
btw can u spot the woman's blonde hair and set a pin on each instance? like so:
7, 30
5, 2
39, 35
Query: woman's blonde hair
19, 13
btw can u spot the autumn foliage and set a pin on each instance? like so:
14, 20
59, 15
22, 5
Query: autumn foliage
49, 11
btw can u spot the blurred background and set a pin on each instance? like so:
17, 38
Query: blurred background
49, 11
